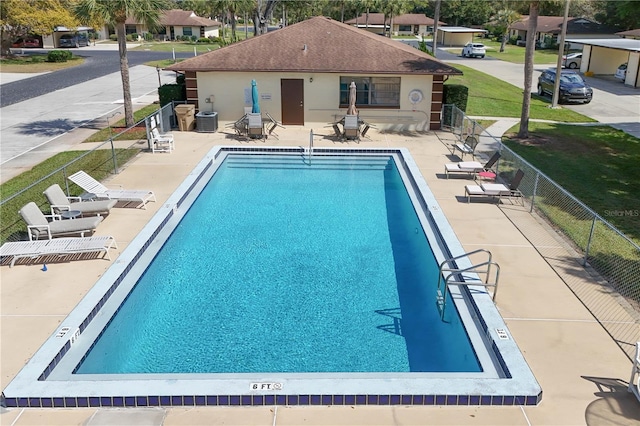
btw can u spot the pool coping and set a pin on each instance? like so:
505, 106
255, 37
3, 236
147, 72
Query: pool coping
520, 389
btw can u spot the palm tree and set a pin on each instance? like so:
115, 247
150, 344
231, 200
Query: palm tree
534, 8
501, 21
116, 12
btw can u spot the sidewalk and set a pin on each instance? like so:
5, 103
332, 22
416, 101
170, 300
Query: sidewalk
51, 127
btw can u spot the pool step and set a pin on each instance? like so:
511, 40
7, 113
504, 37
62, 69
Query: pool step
317, 162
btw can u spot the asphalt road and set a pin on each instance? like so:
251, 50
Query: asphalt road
98, 63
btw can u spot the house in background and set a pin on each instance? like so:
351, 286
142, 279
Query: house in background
303, 72
549, 29
407, 24
177, 23
630, 34
374, 23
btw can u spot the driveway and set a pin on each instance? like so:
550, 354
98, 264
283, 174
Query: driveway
613, 102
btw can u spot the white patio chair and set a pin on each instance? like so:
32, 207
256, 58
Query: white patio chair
90, 185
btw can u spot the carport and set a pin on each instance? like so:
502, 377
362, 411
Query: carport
457, 36
604, 56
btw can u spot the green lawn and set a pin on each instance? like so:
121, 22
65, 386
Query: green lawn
98, 163
515, 54
36, 63
597, 164
116, 128
492, 97
178, 46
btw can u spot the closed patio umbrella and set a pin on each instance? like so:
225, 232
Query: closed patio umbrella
352, 100
255, 108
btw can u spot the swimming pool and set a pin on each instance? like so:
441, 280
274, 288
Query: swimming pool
57, 376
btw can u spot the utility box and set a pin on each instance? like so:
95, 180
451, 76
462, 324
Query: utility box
186, 116
207, 121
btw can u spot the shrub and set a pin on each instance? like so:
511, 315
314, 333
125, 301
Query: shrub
148, 37
113, 37
172, 92
455, 94
59, 56
204, 40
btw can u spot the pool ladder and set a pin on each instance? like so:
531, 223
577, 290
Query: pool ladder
456, 276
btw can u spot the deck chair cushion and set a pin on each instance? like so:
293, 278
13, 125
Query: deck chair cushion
38, 226
59, 202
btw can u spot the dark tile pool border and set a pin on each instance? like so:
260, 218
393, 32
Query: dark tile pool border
268, 400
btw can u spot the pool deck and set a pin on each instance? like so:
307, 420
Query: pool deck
582, 371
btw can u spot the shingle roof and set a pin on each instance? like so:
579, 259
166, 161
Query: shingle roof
406, 19
630, 33
181, 18
553, 25
319, 45
177, 17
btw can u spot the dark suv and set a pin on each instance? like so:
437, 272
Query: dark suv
73, 40
572, 86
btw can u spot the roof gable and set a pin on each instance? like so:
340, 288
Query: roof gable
553, 25
319, 45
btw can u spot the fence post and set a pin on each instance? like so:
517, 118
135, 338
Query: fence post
66, 181
113, 155
586, 251
535, 190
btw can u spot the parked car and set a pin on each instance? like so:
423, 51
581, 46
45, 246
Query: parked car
572, 86
621, 72
73, 40
572, 60
473, 50
26, 42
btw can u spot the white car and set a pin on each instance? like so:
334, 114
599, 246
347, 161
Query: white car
572, 60
473, 50
621, 72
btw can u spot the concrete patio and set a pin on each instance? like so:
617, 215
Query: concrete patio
582, 371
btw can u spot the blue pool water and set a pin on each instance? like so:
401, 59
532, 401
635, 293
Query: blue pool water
282, 266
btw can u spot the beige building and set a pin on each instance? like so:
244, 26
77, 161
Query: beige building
177, 23
303, 72
406, 24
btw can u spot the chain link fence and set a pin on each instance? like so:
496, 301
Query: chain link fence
102, 161
604, 252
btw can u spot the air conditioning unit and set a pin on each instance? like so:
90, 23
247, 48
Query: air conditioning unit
207, 121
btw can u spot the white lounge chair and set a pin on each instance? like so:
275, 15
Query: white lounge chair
58, 247
497, 189
470, 167
90, 185
60, 203
38, 225
467, 147
634, 381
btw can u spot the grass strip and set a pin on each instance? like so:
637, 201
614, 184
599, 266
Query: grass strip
492, 97
98, 163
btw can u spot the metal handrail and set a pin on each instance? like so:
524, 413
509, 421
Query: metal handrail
443, 284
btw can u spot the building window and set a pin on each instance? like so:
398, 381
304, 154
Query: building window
405, 28
372, 91
187, 31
